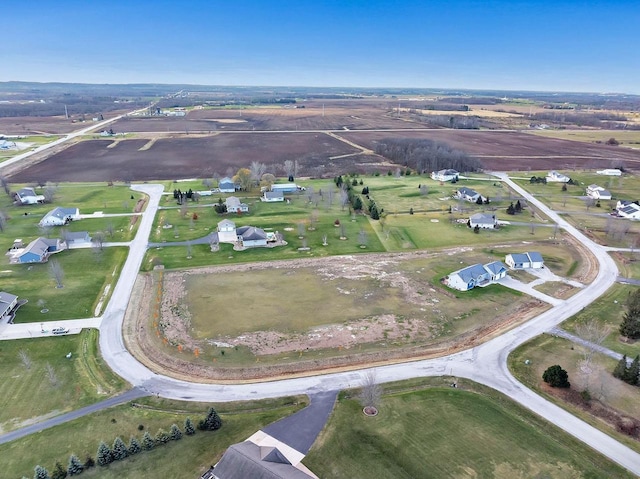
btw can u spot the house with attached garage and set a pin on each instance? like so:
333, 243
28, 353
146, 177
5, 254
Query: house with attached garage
476, 275
251, 236
8, 303
610, 172
227, 232
76, 238
444, 175
272, 196
60, 216
483, 221
38, 251
468, 194
226, 185
598, 192
554, 176
531, 259
234, 205
630, 211
28, 196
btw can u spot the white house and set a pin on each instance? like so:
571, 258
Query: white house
483, 220
531, 259
60, 216
598, 192
272, 196
476, 275
251, 236
235, 206
227, 232
287, 188
468, 194
554, 176
8, 303
76, 238
610, 172
444, 175
27, 196
630, 211
226, 185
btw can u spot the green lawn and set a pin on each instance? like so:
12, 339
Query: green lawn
30, 393
186, 458
86, 275
445, 432
547, 350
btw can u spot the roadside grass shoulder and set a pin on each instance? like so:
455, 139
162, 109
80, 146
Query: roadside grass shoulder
35, 392
86, 274
188, 457
449, 432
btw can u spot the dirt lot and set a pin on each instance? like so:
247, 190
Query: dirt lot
199, 157
503, 150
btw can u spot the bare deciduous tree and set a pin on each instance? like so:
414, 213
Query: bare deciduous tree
594, 332
57, 273
371, 390
362, 238
97, 241
257, 170
49, 192
189, 248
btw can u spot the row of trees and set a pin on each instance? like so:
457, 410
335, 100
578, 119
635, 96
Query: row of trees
119, 451
426, 155
629, 373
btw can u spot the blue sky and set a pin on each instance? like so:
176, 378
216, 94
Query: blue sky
514, 45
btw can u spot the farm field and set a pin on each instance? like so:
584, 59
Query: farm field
38, 381
508, 150
606, 392
188, 457
627, 138
445, 432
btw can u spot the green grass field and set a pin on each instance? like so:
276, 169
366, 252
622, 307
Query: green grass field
186, 458
546, 350
34, 141
443, 432
30, 393
86, 275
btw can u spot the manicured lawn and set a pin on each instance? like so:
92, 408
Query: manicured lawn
445, 432
608, 310
187, 458
547, 350
29, 393
86, 275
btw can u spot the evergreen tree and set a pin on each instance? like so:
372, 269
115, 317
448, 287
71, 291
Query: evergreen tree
556, 377
518, 207
479, 200
357, 203
59, 472
630, 326
75, 466
633, 372
119, 450
103, 456
175, 433
40, 472
189, 430
210, 423
147, 441
620, 371
134, 446
510, 209
476, 229
373, 211
162, 437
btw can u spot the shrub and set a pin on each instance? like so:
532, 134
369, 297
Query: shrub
59, 472
210, 423
162, 437
147, 442
103, 456
134, 446
175, 434
119, 451
40, 472
189, 430
556, 377
74, 467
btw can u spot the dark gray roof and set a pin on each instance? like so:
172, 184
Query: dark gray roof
483, 218
251, 233
245, 461
40, 246
76, 236
535, 257
26, 192
473, 272
467, 191
5, 301
273, 194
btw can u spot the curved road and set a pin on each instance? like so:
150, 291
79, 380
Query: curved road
486, 363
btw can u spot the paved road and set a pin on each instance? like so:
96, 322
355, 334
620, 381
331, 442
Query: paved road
70, 416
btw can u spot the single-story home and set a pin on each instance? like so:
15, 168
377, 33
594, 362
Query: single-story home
287, 188
251, 236
28, 196
468, 278
610, 172
8, 302
272, 196
631, 211
444, 175
598, 192
483, 220
76, 237
226, 185
38, 251
227, 231
260, 457
468, 194
531, 259
235, 206
554, 176
60, 216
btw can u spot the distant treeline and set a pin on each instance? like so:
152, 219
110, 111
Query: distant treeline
426, 155
75, 106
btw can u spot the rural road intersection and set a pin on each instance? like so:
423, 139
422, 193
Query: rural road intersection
486, 364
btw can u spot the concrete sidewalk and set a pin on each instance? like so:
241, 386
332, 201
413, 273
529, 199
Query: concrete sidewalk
44, 329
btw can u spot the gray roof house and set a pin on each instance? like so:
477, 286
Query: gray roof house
483, 220
59, 216
8, 303
272, 196
226, 185
28, 196
468, 194
531, 259
249, 236
476, 275
76, 237
38, 251
234, 205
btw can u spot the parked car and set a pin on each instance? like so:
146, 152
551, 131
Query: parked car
60, 330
